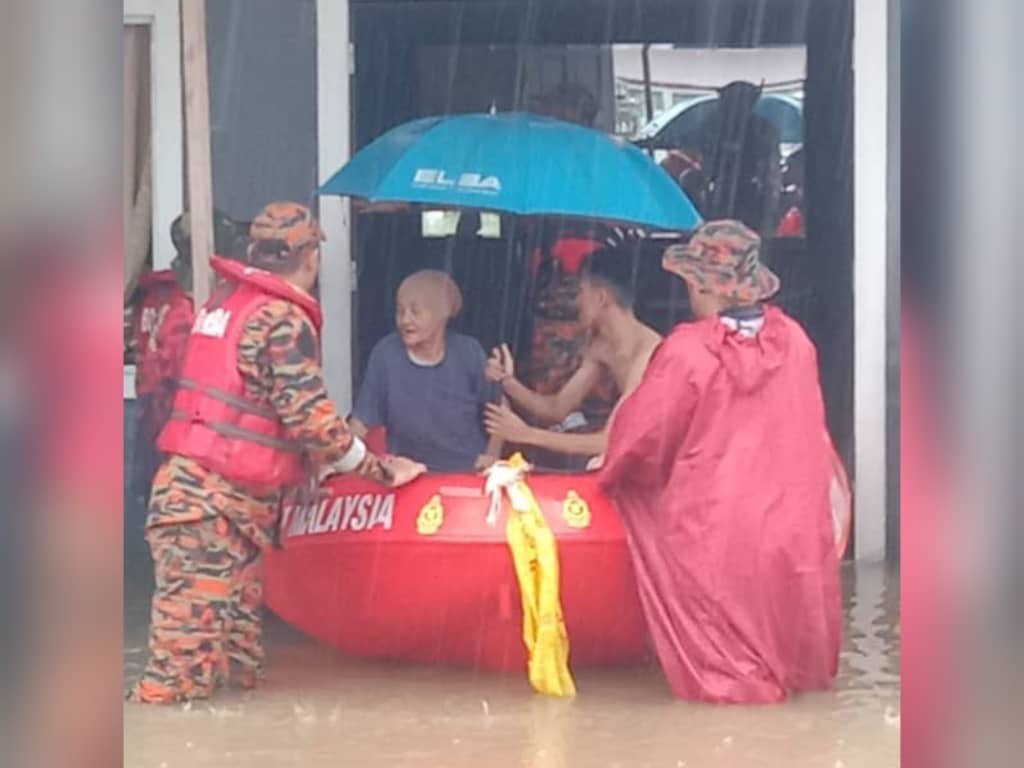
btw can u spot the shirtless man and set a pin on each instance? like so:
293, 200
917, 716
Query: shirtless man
620, 345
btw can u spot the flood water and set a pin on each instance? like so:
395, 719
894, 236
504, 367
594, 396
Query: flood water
319, 708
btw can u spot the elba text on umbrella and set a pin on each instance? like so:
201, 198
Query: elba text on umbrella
470, 182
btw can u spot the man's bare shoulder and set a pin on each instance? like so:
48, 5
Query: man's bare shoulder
650, 339
648, 342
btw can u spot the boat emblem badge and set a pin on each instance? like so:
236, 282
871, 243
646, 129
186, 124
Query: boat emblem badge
575, 511
431, 517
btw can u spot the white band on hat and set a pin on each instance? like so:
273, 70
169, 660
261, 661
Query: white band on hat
353, 458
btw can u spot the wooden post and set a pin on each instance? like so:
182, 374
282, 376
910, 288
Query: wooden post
197, 142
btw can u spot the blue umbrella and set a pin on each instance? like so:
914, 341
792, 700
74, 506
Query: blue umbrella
517, 163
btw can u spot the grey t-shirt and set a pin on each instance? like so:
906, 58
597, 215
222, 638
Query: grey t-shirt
433, 414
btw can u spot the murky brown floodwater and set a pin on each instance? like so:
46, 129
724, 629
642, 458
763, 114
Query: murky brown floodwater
320, 709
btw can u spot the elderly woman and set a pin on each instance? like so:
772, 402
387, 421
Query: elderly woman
425, 384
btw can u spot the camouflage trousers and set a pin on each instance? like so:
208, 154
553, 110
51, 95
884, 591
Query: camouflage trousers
206, 611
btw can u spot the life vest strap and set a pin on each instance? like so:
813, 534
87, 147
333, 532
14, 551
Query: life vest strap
238, 433
240, 403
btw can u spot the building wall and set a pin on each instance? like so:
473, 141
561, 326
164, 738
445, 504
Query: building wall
262, 58
712, 67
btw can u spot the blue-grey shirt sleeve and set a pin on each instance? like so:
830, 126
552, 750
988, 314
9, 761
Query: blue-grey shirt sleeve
371, 403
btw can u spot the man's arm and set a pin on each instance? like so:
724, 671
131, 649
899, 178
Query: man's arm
500, 421
581, 444
299, 394
487, 391
553, 409
492, 451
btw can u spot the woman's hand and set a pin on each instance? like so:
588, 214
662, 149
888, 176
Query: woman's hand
399, 470
500, 365
501, 422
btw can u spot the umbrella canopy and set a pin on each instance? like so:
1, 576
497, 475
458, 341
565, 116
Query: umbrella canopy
517, 163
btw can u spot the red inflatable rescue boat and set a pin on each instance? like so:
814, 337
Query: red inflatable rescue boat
417, 573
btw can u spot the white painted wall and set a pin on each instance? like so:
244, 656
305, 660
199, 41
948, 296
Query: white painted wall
711, 67
334, 144
165, 82
871, 211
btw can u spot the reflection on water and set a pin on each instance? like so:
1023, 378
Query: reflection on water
320, 709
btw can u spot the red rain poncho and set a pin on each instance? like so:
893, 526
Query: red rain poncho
719, 464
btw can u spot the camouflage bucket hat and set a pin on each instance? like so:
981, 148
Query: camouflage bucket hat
290, 224
724, 258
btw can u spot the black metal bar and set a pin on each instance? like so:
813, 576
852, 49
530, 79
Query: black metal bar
648, 93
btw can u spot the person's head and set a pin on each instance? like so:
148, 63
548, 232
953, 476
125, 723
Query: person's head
426, 301
606, 285
227, 236
284, 238
569, 102
738, 97
722, 268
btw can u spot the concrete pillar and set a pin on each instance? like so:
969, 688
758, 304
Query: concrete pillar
871, 212
334, 147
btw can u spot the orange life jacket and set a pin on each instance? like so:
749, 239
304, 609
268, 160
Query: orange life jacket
214, 420
161, 295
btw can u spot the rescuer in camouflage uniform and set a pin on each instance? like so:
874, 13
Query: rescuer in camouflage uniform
206, 531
